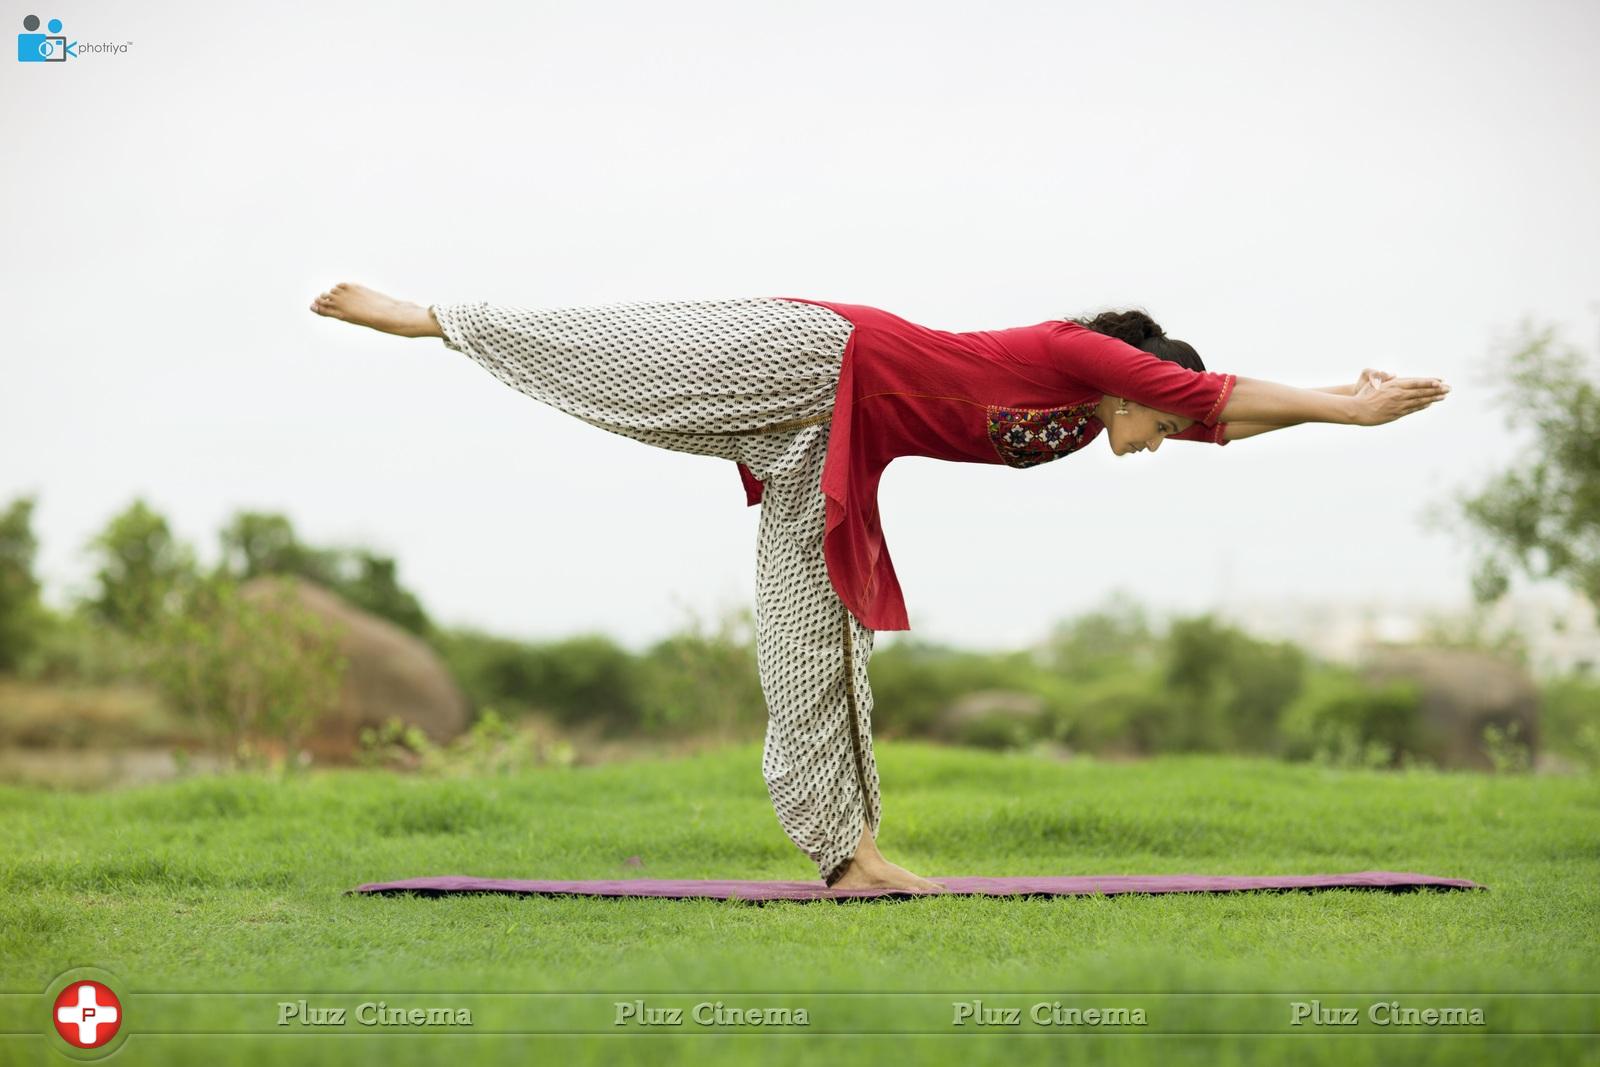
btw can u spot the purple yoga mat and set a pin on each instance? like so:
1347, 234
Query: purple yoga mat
993, 887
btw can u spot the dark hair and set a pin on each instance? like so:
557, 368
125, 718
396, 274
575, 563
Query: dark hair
1142, 332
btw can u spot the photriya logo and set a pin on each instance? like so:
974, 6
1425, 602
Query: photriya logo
43, 48
87, 1014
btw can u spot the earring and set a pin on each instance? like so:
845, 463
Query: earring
1122, 406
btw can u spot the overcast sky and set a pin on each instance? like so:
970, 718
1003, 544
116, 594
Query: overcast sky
1297, 190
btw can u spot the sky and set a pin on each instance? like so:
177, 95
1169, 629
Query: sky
1298, 190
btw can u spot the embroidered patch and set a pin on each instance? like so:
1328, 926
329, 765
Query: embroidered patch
1027, 437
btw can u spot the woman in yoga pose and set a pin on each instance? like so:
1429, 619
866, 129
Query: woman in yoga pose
812, 399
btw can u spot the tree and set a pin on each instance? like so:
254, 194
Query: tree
1542, 515
141, 567
1115, 638
375, 586
256, 543
21, 612
1233, 686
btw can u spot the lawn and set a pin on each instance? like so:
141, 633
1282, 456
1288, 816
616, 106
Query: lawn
215, 900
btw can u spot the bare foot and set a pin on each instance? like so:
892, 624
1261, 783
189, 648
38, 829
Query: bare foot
875, 872
368, 307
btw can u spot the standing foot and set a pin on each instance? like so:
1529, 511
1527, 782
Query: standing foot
879, 873
869, 870
368, 307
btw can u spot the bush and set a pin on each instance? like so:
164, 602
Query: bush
491, 746
1114, 640
704, 680
76, 647
583, 680
1508, 751
246, 669
915, 681
1233, 687
1130, 713
1341, 719
998, 730
1569, 718
22, 615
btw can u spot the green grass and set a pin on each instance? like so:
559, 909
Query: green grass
217, 886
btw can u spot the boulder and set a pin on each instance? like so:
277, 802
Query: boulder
990, 718
390, 673
1461, 692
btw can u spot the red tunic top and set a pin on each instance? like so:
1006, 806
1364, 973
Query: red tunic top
1020, 396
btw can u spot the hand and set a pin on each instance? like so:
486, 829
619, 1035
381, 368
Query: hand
1376, 376
1381, 397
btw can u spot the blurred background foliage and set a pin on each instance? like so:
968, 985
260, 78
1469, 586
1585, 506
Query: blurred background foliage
161, 652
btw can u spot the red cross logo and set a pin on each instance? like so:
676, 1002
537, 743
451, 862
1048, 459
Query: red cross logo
87, 1014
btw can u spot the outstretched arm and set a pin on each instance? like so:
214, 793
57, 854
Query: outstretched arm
1236, 430
1083, 358
1374, 401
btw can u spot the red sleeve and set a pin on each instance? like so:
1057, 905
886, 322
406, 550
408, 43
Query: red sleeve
752, 486
1115, 368
1217, 435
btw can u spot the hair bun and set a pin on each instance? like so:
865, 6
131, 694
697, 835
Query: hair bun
1130, 325
1134, 326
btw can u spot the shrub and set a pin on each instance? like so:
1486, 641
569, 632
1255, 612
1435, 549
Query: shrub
1569, 718
22, 615
702, 679
491, 746
76, 647
582, 680
1341, 719
915, 681
247, 669
1508, 752
1233, 686
1132, 713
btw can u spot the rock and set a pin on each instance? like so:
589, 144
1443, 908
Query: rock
1462, 691
991, 718
391, 673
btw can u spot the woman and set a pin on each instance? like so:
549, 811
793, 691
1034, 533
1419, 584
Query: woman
813, 399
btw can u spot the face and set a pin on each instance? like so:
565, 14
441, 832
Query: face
1142, 429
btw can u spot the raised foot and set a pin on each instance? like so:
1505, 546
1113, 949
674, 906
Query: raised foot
878, 873
349, 302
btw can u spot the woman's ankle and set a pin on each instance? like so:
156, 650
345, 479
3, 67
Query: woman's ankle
867, 846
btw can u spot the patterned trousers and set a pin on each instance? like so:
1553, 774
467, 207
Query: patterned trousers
750, 380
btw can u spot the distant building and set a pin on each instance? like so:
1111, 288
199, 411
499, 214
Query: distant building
1557, 626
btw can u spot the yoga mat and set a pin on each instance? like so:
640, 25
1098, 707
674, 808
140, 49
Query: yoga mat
1108, 884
